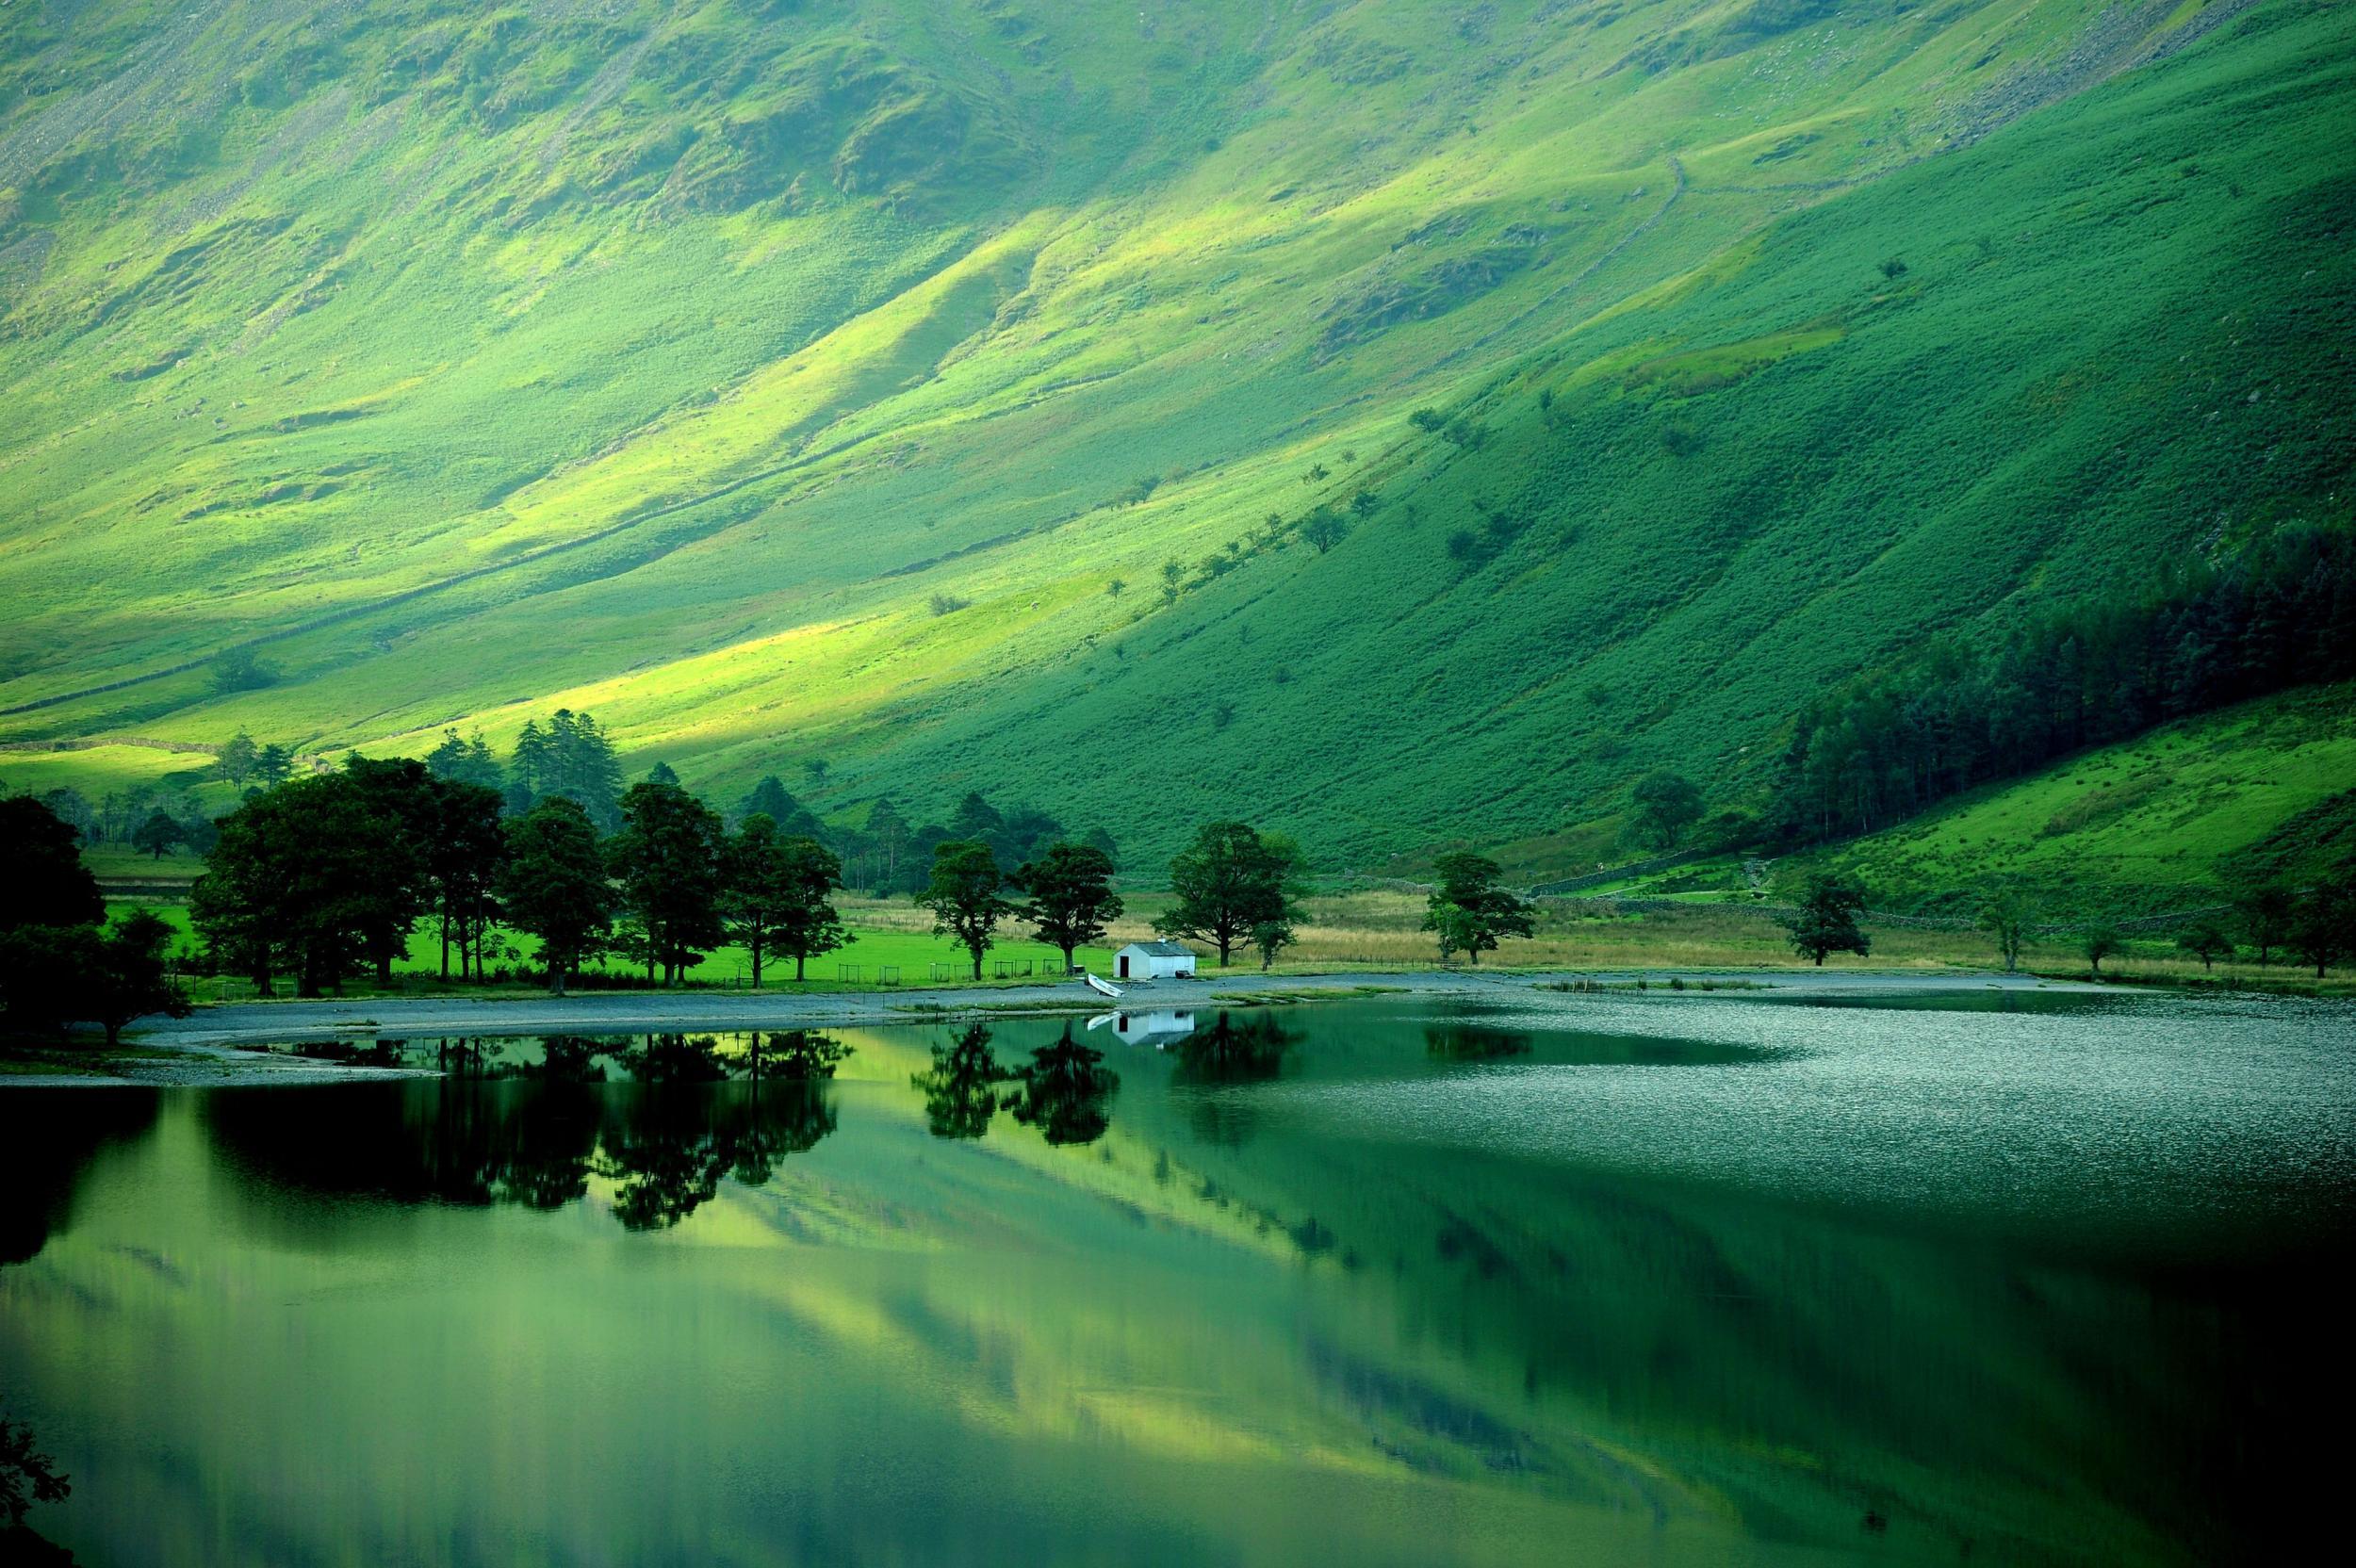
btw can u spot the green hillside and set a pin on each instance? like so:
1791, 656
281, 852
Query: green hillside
785, 382
2263, 793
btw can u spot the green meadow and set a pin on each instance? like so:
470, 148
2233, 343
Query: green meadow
838, 383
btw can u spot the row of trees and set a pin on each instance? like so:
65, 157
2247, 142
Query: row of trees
2280, 613
329, 876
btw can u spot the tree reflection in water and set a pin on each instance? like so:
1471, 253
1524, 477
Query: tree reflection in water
1230, 1053
1066, 1093
961, 1087
533, 1134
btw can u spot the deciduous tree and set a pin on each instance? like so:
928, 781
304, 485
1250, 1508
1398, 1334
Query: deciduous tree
1827, 920
553, 886
1070, 896
963, 895
1229, 880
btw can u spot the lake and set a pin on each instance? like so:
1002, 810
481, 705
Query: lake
1699, 1278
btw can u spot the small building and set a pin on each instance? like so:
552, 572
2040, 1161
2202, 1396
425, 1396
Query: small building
1154, 961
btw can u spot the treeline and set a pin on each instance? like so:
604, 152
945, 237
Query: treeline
1884, 747
329, 876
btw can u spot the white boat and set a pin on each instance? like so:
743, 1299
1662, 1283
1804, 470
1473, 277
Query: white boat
1102, 986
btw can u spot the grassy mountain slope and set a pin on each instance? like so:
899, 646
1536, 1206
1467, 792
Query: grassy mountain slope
682, 363
2264, 790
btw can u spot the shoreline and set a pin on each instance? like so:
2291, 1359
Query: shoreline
223, 1043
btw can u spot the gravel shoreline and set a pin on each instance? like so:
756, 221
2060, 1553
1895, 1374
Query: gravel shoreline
210, 1043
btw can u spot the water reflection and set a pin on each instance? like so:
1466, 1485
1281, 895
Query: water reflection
1066, 1093
960, 1088
1382, 1331
533, 1127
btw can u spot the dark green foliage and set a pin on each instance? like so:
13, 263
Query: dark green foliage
241, 670
2323, 921
2005, 917
127, 975
1827, 921
1066, 1093
2206, 943
960, 1088
468, 761
463, 862
1069, 898
312, 878
963, 895
1667, 805
400, 792
158, 835
273, 764
43, 880
1471, 910
2265, 913
1231, 879
236, 759
1323, 528
553, 886
2102, 941
570, 758
775, 895
666, 861
2277, 613
26, 1475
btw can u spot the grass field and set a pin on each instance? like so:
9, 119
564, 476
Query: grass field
482, 366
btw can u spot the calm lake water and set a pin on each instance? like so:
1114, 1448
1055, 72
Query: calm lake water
1616, 1279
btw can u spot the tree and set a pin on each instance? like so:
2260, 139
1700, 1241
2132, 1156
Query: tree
398, 889
2323, 921
273, 765
127, 976
2265, 918
1667, 805
554, 885
889, 831
1229, 880
2005, 917
157, 835
963, 896
1827, 920
241, 670
2207, 943
1270, 938
2101, 941
468, 761
1324, 528
1072, 900
26, 1476
462, 864
570, 758
43, 880
309, 877
772, 799
775, 895
666, 858
1470, 909
236, 760
662, 773
1364, 504
977, 821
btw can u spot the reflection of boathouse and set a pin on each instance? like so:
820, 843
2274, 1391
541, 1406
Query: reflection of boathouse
1159, 1030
